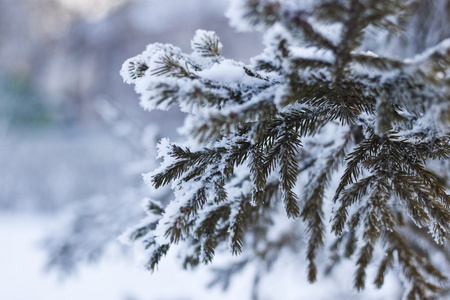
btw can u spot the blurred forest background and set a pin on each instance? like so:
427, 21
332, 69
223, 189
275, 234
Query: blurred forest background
74, 140
63, 102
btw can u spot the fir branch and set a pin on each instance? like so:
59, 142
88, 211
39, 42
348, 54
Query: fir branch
258, 13
312, 211
423, 242
330, 12
202, 93
217, 180
136, 69
154, 207
347, 240
268, 65
261, 125
253, 74
351, 38
170, 66
237, 153
208, 246
343, 101
283, 152
179, 226
238, 224
349, 197
308, 63
364, 150
219, 124
193, 260
185, 159
209, 44
258, 176
415, 268
166, 96
385, 265
365, 256
297, 22
156, 256
350, 246
379, 14
385, 114
410, 93
379, 218
142, 231
306, 122
376, 62
208, 231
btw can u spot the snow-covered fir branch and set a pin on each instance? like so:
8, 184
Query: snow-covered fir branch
272, 137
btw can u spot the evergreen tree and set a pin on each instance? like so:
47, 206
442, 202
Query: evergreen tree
316, 128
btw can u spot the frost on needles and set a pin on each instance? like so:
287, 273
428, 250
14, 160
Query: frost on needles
315, 140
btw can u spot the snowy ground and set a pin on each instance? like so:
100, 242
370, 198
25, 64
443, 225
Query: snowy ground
115, 277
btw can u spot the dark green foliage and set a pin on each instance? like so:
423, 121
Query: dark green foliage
237, 226
284, 150
272, 143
